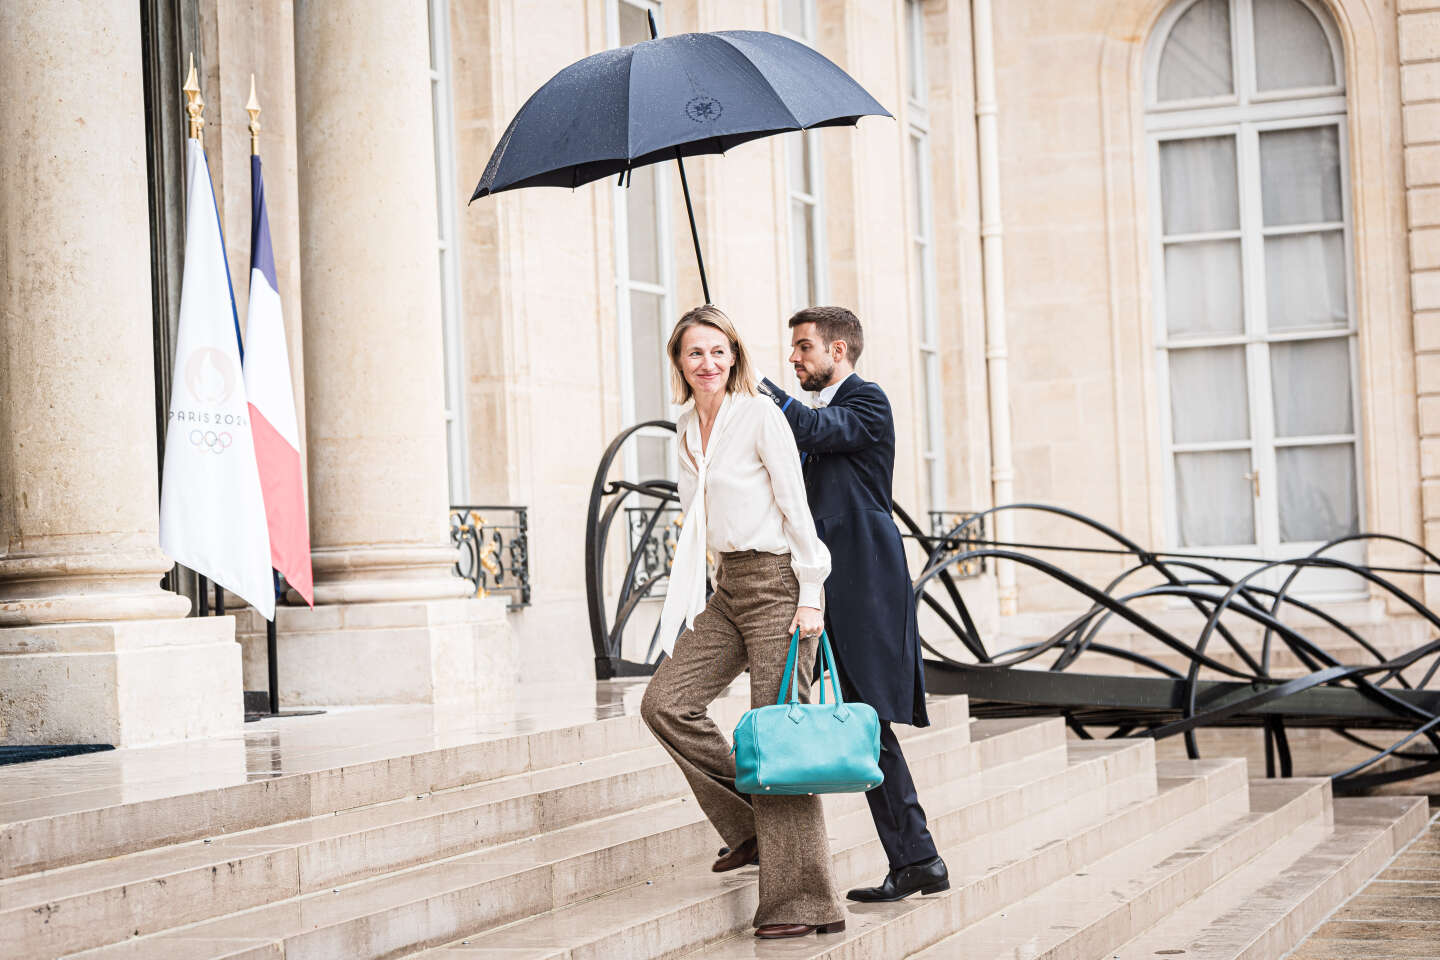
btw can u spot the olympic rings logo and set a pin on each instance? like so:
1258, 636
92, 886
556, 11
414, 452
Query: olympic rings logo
210, 440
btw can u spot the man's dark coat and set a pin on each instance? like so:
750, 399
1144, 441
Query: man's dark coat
848, 449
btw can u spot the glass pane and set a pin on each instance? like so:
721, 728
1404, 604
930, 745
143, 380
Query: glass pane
1209, 399
793, 19
643, 226
1300, 176
1197, 185
653, 457
1202, 289
802, 253
1213, 499
1305, 280
634, 25
1311, 383
1196, 58
917, 292
797, 156
932, 389
1317, 492
915, 48
1291, 48
920, 187
647, 344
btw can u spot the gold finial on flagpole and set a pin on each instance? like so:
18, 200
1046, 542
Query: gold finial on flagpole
252, 107
194, 103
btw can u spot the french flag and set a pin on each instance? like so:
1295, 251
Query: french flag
272, 406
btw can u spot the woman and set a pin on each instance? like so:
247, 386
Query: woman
744, 499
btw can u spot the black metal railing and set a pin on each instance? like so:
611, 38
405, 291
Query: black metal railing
647, 563
654, 543
1260, 668
959, 530
494, 545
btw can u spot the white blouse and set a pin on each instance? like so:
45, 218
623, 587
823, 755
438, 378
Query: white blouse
754, 499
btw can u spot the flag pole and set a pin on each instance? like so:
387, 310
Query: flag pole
272, 652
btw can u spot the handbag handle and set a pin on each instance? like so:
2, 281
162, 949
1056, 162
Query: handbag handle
791, 682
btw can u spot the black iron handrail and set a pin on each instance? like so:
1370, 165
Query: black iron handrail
1331, 695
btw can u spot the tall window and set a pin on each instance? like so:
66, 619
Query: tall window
803, 181
1246, 121
443, 110
922, 286
643, 271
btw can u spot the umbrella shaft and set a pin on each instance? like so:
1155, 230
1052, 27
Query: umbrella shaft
694, 233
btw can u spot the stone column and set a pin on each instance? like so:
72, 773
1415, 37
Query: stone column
374, 372
91, 649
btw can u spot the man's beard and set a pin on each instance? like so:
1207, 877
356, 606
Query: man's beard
819, 380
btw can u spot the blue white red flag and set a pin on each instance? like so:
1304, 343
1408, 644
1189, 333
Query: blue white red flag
272, 405
212, 515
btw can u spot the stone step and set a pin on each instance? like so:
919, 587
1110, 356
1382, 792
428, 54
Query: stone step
1215, 794
1088, 914
439, 901
1267, 908
92, 824
92, 904
676, 913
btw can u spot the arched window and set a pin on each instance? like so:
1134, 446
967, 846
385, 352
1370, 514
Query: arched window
1245, 120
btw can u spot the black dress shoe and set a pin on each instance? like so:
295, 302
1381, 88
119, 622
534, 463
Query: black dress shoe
927, 876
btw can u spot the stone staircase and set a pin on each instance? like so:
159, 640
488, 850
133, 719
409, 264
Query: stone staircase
583, 842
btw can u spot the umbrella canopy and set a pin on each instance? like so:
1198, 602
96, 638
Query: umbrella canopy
668, 98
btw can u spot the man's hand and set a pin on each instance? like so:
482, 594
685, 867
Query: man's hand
809, 621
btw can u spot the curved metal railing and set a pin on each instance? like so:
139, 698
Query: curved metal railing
1372, 694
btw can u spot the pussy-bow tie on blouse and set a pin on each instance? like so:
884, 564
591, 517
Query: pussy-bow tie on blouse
685, 596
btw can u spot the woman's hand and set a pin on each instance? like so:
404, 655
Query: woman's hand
809, 621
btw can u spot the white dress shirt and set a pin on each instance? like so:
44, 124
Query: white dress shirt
745, 492
823, 398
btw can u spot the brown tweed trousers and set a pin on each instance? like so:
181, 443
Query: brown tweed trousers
745, 624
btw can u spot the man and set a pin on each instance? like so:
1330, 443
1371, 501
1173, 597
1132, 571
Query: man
847, 445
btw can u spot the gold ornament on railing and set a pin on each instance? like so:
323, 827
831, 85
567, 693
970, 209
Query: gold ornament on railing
194, 103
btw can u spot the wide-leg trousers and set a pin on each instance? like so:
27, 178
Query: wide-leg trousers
745, 624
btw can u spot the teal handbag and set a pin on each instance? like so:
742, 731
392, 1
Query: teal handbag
795, 748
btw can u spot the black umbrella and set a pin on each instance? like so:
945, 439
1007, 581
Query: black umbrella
666, 99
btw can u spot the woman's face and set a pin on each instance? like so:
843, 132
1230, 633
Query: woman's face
705, 360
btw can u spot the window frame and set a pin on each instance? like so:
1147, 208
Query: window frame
625, 285
922, 242
1247, 119
442, 104
819, 277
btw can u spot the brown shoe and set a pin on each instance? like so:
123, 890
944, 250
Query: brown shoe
779, 931
745, 854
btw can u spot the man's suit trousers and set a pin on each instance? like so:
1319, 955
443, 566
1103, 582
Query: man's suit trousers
894, 805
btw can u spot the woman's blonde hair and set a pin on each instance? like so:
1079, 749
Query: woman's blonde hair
742, 375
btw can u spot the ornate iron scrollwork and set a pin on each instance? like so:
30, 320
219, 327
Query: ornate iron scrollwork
1242, 686
494, 553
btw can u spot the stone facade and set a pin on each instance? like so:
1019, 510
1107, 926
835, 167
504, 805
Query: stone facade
350, 172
